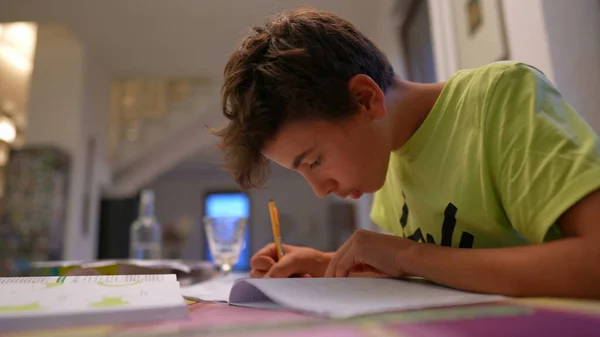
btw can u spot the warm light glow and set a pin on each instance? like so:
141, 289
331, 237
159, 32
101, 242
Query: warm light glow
8, 131
18, 60
20, 35
17, 44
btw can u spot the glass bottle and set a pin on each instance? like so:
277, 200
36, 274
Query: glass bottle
146, 232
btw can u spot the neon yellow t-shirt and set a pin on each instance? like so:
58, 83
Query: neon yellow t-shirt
497, 161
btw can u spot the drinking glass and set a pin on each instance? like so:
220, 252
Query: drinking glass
225, 236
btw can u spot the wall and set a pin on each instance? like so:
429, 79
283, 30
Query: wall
526, 33
97, 174
68, 105
573, 29
442, 37
385, 32
525, 30
55, 115
561, 38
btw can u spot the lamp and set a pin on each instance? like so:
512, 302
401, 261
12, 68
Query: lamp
17, 44
8, 130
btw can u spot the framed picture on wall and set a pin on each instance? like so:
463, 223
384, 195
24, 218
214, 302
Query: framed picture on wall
480, 34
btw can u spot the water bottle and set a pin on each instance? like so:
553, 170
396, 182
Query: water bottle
146, 232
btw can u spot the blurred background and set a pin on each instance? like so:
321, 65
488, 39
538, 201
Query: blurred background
101, 99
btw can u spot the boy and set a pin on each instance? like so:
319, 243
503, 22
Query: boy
489, 182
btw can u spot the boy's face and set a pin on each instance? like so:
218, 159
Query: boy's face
343, 158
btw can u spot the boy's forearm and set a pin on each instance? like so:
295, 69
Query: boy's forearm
563, 268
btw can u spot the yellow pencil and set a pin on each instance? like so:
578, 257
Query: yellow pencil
275, 226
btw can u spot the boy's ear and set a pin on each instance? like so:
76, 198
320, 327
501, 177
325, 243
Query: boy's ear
368, 95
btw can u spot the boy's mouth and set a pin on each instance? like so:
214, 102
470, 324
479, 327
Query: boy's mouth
355, 194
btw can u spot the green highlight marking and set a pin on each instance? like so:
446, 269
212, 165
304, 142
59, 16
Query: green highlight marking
53, 285
108, 302
21, 308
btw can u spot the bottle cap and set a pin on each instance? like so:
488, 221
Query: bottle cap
147, 197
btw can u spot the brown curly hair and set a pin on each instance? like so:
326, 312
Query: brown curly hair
295, 67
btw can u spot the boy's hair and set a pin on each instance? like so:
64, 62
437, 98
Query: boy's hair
295, 67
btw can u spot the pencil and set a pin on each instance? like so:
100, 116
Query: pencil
275, 226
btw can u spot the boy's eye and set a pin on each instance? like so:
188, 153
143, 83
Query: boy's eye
315, 163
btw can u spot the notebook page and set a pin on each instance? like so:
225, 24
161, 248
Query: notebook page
214, 290
245, 293
90, 278
347, 297
154, 264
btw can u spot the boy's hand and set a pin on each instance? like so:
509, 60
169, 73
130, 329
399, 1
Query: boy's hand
302, 261
371, 252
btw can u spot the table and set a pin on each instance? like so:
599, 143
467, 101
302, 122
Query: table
525, 317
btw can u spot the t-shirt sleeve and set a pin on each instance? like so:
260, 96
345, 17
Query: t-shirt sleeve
543, 156
378, 216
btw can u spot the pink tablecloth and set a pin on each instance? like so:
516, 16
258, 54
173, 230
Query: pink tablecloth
520, 318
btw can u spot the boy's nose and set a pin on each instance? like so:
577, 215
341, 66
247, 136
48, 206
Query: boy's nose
322, 189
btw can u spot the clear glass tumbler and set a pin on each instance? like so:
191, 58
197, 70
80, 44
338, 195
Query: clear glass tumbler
225, 236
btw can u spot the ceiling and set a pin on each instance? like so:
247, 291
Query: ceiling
168, 37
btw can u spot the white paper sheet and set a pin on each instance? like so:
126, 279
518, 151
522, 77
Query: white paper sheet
151, 264
347, 297
213, 290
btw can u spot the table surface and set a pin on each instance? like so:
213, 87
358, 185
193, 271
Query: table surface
525, 317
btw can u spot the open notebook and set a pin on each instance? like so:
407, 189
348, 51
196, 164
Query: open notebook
48, 302
335, 297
